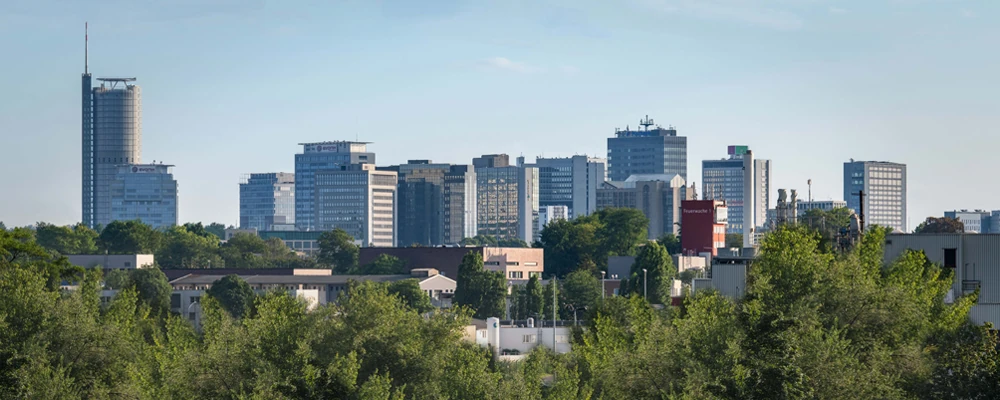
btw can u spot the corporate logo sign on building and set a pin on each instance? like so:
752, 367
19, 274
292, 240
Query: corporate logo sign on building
323, 148
143, 170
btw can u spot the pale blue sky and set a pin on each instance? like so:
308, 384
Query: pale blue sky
231, 86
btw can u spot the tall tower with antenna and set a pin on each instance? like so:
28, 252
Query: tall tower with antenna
111, 119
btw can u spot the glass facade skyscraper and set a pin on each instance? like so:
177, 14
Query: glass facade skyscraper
321, 156
723, 180
884, 184
267, 200
507, 198
360, 200
571, 182
436, 203
112, 136
146, 192
647, 151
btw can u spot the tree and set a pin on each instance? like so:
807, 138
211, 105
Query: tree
2, 226
533, 296
569, 244
183, 248
581, 290
66, 240
734, 240
384, 264
116, 279
622, 230
337, 248
482, 290
199, 229
153, 289
660, 271
128, 237
217, 229
940, 225
671, 243
550, 300
234, 295
480, 240
408, 290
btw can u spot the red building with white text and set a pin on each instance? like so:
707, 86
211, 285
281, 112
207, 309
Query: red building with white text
703, 226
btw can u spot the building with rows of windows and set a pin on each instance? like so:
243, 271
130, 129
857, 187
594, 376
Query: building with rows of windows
884, 186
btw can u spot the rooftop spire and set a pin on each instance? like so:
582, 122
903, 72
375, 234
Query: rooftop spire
86, 48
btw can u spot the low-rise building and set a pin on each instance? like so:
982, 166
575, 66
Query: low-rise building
516, 263
704, 226
512, 340
112, 261
971, 257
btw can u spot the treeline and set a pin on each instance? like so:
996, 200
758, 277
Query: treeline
813, 324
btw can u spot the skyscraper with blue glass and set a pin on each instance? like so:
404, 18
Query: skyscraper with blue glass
321, 156
656, 151
145, 192
267, 201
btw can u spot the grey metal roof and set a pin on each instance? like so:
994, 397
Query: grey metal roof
193, 279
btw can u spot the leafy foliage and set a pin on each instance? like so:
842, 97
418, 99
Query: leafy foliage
493, 241
234, 295
129, 237
384, 264
589, 240
78, 239
940, 225
479, 289
337, 249
660, 271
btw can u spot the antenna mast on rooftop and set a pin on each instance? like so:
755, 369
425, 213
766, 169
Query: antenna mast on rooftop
646, 123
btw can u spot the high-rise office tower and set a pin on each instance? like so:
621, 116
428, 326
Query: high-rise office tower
436, 203
656, 151
884, 184
146, 192
725, 180
267, 201
507, 198
358, 199
112, 136
570, 182
318, 157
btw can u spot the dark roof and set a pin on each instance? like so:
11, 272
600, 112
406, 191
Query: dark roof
193, 279
177, 273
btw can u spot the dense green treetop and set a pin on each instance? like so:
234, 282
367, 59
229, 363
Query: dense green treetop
337, 249
129, 237
940, 225
234, 295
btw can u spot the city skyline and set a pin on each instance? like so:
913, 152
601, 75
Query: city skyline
871, 93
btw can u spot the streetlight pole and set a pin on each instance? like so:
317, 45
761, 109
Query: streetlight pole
644, 285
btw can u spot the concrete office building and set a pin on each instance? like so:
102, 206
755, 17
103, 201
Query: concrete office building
322, 156
507, 198
437, 202
801, 207
547, 214
656, 151
657, 196
724, 180
358, 199
267, 200
146, 192
884, 184
111, 136
975, 221
571, 182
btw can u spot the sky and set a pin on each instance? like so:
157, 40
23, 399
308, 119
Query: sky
232, 86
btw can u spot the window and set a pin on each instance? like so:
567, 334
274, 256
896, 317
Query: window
516, 274
175, 300
950, 258
528, 338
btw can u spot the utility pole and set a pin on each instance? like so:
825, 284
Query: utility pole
555, 305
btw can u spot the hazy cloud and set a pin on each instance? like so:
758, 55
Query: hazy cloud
837, 10
754, 13
506, 64
967, 13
